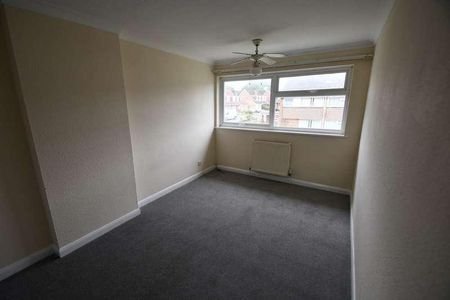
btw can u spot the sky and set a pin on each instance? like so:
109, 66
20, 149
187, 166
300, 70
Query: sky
239, 85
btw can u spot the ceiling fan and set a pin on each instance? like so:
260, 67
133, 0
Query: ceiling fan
257, 58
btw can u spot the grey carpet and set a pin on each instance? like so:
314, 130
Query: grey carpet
223, 236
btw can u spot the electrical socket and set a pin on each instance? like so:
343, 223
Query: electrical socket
199, 163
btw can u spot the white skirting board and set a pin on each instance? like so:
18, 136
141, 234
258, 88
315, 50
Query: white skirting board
173, 187
66, 249
7, 271
25, 262
290, 180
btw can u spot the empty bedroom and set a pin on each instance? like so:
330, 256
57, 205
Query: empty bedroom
225, 149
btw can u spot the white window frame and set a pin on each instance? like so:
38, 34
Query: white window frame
274, 93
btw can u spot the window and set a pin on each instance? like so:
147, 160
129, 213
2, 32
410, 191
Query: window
313, 101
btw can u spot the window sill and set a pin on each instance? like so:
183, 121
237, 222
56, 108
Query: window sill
282, 131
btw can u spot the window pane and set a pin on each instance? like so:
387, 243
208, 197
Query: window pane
247, 101
324, 112
312, 82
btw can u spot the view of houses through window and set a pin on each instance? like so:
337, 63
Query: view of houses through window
247, 102
323, 112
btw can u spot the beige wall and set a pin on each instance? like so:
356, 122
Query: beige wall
401, 206
171, 111
72, 87
319, 159
23, 224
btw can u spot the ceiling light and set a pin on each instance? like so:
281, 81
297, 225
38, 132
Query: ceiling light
256, 69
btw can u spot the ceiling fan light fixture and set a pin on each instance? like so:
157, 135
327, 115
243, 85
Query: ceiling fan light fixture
257, 58
256, 69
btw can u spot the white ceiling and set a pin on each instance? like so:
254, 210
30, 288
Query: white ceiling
209, 30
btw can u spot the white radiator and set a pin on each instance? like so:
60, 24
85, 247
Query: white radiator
271, 157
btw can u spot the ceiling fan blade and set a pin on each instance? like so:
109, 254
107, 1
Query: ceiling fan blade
240, 61
275, 54
267, 60
242, 53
